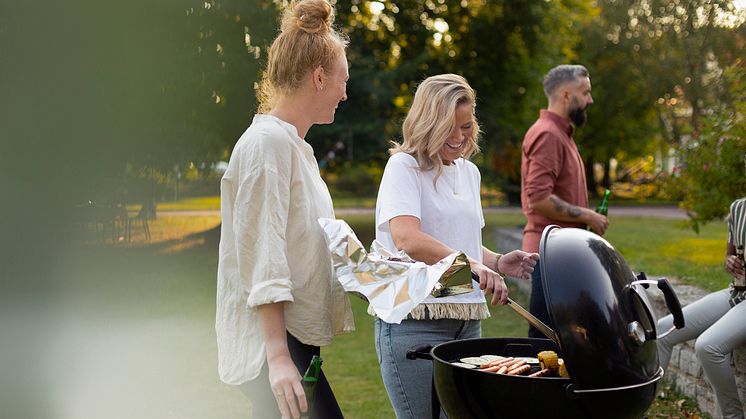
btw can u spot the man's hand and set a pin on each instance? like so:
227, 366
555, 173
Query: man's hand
598, 223
734, 266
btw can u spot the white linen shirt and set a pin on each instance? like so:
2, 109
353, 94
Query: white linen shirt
450, 211
273, 249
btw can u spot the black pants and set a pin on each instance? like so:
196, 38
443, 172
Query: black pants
263, 402
538, 305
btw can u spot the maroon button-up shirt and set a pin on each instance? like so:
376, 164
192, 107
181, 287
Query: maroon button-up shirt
550, 164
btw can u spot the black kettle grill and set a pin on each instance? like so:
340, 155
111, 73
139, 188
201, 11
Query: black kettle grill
606, 333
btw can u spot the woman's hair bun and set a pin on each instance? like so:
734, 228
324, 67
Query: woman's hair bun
311, 16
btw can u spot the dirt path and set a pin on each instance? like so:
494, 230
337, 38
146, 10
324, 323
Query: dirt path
669, 212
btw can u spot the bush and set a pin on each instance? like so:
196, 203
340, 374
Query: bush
359, 180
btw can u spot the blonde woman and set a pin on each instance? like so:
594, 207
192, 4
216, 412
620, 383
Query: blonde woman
277, 300
429, 206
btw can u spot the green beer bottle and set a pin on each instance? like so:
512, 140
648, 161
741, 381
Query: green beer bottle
603, 207
739, 283
310, 378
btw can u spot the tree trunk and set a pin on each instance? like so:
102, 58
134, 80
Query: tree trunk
590, 178
606, 182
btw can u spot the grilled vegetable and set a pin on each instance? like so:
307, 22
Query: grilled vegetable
464, 365
563, 369
549, 360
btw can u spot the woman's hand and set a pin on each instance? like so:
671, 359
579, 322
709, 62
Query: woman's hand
284, 378
734, 266
517, 264
286, 386
491, 283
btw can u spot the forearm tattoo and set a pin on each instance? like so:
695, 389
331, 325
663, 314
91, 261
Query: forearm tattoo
562, 206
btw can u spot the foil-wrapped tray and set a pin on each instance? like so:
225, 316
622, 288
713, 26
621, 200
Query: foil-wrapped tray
391, 282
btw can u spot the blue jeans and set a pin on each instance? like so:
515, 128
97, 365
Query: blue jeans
409, 382
718, 329
538, 305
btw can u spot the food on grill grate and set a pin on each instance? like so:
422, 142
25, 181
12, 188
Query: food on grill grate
541, 373
491, 358
549, 359
523, 369
562, 369
476, 360
546, 364
463, 364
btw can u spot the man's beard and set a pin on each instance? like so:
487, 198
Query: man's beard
577, 115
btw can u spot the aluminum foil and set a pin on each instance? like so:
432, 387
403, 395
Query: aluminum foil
392, 283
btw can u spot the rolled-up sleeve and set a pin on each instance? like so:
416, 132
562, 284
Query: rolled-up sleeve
260, 223
544, 163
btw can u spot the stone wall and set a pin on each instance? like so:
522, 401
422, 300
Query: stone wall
684, 370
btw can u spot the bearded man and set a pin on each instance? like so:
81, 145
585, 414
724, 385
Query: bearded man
553, 183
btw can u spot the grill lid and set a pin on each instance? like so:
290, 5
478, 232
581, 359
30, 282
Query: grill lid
606, 331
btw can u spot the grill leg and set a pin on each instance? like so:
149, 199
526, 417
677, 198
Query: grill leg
435, 401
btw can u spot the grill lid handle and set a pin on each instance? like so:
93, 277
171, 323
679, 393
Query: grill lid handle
672, 301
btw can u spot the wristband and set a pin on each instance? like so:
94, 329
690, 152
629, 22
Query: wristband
497, 265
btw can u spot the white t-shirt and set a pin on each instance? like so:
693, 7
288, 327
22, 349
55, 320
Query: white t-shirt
449, 210
273, 249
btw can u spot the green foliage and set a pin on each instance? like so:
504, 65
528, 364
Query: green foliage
172, 82
621, 122
711, 175
222, 54
359, 180
503, 48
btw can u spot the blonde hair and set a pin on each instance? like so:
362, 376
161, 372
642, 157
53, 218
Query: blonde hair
432, 118
306, 41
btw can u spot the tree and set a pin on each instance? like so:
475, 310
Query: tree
503, 48
201, 97
712, 172
622, 120
679, 49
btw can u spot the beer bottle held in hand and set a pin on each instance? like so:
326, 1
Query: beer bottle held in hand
603, 207
739, 282
309, 380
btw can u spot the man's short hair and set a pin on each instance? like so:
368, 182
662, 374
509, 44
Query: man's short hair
562, 74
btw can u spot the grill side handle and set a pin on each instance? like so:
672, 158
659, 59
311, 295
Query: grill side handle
420, 352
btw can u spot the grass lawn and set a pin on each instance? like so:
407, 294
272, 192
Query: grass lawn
202, 203
662, 247
665, 247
